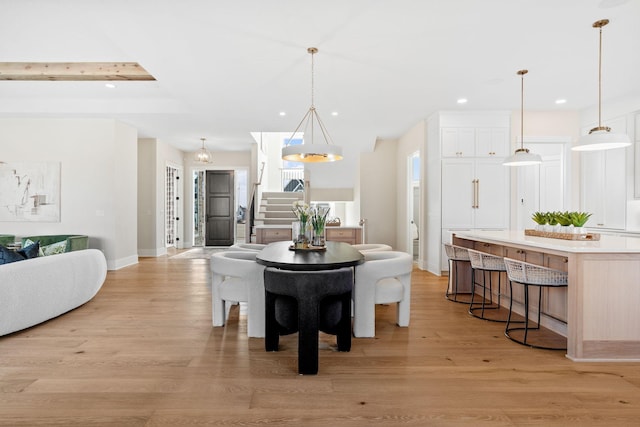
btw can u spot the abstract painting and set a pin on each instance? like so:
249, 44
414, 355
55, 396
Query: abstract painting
30, 191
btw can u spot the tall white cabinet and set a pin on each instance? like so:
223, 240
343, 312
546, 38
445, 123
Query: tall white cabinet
474, 185
603, 189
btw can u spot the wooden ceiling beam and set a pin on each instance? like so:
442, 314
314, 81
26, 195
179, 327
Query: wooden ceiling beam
73, 71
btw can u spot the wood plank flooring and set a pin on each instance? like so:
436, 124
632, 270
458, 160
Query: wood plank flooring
143, 353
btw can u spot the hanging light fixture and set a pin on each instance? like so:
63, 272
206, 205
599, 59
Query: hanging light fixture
203, 155
522, 156
308, 151
601, 138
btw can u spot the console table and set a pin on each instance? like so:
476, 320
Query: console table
601, 302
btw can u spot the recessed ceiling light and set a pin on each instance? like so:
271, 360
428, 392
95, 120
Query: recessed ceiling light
462, 101
282, 113
334, 113
561, 101
110, 85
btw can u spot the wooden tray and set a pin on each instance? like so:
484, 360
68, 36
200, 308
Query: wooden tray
563, 236
309, 249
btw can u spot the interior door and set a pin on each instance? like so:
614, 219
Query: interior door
220, 219
540, 187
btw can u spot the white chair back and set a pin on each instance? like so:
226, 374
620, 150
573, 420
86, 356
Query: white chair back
384, 277
372, 247
247, 247
237, 277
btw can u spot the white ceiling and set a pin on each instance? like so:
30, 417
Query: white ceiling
227, 68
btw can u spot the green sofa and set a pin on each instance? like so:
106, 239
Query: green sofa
73, 242
7, 239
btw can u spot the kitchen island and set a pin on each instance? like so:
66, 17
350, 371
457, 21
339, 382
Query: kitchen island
600, 305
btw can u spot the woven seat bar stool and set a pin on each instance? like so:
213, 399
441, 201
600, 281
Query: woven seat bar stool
486, 264
528, 275
456, 254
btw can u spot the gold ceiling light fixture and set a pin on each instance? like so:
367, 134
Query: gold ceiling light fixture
522, 156
308, 151
203, 155
601, 137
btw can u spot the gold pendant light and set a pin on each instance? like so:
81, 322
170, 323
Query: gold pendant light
522, 156
309, 152
600, 137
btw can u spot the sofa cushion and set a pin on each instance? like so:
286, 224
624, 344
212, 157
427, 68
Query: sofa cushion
52, 249
31, 251
8, 256
55, 248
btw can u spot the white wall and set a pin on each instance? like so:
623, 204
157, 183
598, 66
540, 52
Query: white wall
412, 141
98, 179
378, 186
153, 157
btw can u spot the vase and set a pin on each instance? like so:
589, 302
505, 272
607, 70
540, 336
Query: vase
300, 234
318, 237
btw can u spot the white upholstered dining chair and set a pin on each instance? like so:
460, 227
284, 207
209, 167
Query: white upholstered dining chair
237, 277
383, 278
372, 247
247, 247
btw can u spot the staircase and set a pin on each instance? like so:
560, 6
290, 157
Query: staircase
276, 209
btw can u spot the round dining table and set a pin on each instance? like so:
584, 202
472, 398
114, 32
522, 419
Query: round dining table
335, 255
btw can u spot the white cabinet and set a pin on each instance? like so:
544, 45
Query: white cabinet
492, 142
603, 189
471, 142
458, 142
475, 193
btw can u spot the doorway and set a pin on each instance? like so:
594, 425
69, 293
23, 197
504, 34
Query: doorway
219, 208
413, 205
173, 207
541, 187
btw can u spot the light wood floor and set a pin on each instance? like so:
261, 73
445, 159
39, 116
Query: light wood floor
143, 353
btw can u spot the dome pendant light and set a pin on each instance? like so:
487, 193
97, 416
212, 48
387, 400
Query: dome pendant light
522, 156
203, 155
309, 152
601, 138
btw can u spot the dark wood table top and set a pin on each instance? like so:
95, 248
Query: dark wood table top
337, 255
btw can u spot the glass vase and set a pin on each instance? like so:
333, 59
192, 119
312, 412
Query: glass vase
299, 234
318, 237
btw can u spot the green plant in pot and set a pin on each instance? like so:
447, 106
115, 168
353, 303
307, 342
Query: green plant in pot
565, 222
552, 220
579, 219
540, 218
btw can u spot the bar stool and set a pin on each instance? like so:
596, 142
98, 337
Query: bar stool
455, 254
527, 275
487, 264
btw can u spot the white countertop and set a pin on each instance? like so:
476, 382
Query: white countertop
606, 244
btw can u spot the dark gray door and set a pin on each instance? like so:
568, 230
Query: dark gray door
220, 213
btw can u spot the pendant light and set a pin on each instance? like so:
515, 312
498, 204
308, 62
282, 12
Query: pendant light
600, 137
203, 155
309, 152
522, 156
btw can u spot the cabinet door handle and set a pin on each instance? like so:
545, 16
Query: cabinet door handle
477, 196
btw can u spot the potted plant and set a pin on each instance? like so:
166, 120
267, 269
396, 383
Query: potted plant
579, 219
564, 220
552, 221
540, 218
